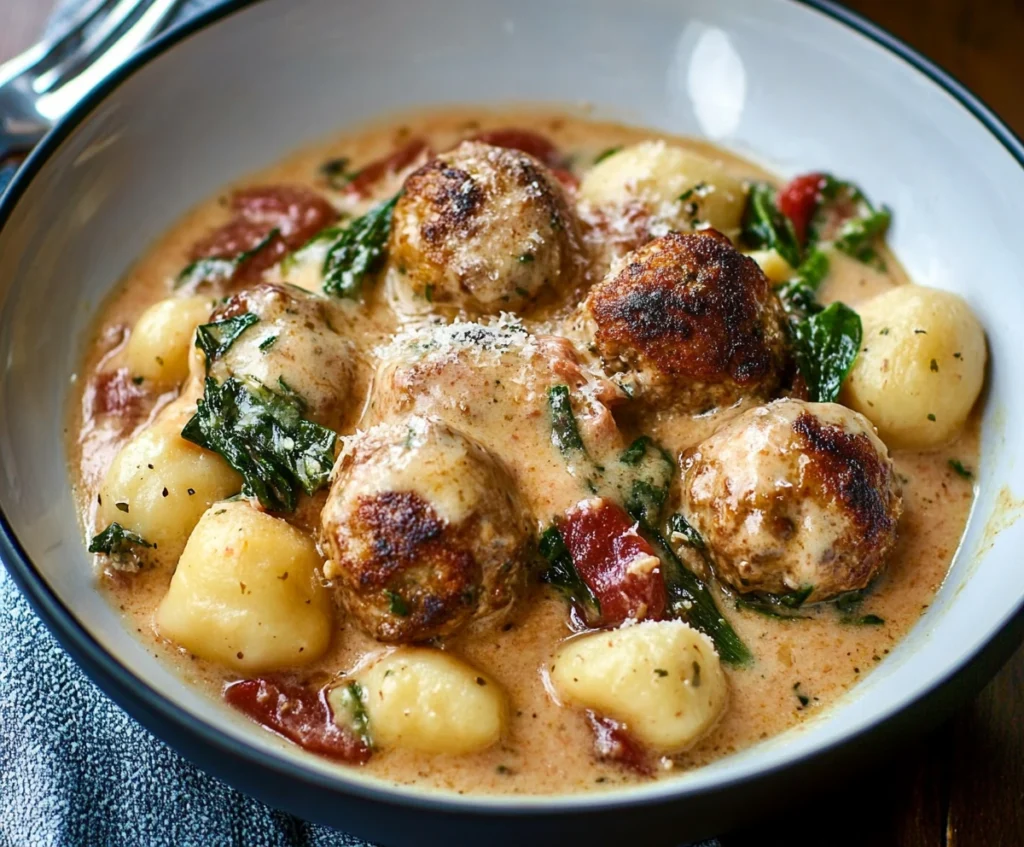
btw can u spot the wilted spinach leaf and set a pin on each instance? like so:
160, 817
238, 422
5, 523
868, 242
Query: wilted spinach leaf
215, 338
263, 436
357, 250
825, 345
562, 573
116, 541
766, 228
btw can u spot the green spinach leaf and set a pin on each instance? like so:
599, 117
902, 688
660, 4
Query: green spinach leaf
766, 228
116, 541
263, 436
562, 574
860, 222
780, 606
606, 153
352, 702
215, 338
960, 470
337, 173
825, 345
565, 433
357, 250
645, 488
690, 598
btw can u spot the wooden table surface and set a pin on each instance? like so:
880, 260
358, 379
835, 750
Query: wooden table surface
963, 785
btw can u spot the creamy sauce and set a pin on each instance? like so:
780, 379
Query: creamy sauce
801, 666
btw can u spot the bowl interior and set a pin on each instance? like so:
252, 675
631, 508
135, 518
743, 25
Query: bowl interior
771, 79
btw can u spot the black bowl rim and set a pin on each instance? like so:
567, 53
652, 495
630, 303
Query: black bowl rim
139, 698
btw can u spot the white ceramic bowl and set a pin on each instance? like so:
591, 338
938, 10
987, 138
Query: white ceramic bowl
793, 85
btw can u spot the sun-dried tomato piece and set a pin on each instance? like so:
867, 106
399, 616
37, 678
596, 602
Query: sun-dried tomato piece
116, 393
617, 564
298, 713
368, 176
612, 742
295, 212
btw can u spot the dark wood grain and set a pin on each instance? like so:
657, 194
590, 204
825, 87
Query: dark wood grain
963, 785
978, 41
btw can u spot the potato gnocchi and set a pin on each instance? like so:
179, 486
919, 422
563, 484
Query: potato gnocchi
159, 484
922, 366
161, 341
248, 592
678, 188
427, 700
592, 456
661, 679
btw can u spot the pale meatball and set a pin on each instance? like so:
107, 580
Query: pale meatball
494, 382
159, 484
161, 340
424, 531
661, 679
423, 699
691, 322
677, 189
293, 347
794, 496
921, 366
248, 593
480, 228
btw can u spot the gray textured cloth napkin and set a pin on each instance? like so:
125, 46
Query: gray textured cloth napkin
76, 770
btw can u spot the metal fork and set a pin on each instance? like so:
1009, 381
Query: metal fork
42, 84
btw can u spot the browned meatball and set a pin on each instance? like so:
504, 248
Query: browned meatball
794, 495
481, 228
693, 322
424, 532
292, 346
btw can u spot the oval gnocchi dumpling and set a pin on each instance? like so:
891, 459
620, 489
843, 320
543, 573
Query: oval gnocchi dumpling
661, 679
248, 592
921, 366
159, 346
773, 265
677, 187
159, 484
428, 700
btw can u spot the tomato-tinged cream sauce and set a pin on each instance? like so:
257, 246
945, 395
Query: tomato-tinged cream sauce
800, 667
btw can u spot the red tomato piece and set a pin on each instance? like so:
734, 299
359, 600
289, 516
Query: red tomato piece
300, 714
295, 212
363, 182
613, 742
615, 561
525, 140
798, 200
116, 393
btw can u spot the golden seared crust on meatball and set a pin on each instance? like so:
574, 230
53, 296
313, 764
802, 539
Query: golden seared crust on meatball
794, 495
292, 346
424, 532
693, 321
483, 229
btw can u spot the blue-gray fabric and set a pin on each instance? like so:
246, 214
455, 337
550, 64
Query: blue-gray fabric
76, 771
